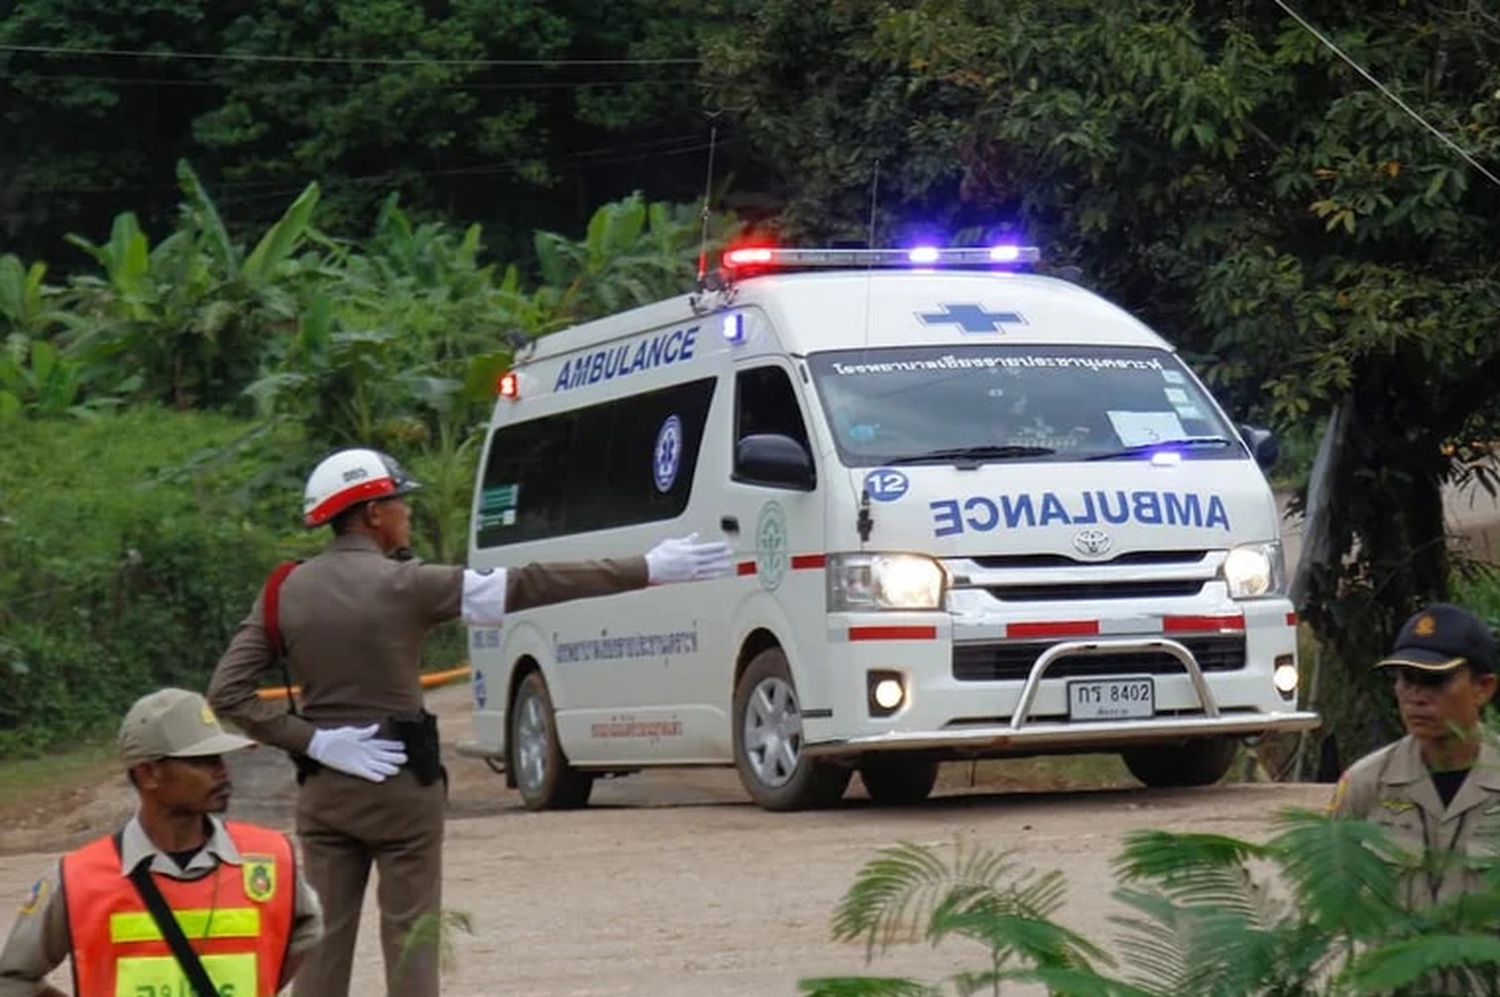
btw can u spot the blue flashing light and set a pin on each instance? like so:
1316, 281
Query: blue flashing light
765, 260
734, 327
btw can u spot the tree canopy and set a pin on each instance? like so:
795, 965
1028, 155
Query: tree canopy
1298, 194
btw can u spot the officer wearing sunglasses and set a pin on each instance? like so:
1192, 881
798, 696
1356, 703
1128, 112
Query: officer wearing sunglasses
1437, 789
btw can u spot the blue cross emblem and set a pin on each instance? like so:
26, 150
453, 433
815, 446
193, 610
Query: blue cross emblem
971, 318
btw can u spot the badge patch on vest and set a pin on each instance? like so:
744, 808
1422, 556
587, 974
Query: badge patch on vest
35, 897
1397, 806
260, 877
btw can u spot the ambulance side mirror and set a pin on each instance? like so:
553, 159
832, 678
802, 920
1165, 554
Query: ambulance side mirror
1263, 445
773, 459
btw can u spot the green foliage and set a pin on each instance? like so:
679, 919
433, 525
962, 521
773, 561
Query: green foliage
116, 576
1312, 912
633, 253
436, 931
25, 308
909, 892
393, 343
186, 323
34, 380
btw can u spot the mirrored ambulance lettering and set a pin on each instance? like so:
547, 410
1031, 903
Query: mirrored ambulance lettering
982, 513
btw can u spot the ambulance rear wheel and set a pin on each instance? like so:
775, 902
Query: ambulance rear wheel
895, 781
768, 741
1199, 762
544, 778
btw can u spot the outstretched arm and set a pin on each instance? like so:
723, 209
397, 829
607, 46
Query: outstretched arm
487, 597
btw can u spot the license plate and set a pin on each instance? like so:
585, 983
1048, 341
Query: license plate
1112, 699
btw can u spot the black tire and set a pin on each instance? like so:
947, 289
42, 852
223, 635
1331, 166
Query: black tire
1199, 762
544, 778
896, 781
768, 742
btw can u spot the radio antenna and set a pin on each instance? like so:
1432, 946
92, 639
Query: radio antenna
708, 189
874, 199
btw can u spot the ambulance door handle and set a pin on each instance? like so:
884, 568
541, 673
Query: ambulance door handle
729, 524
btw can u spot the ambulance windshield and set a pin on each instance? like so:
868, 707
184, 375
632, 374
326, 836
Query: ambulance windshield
1015, 403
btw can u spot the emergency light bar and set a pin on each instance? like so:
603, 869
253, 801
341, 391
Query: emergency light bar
767, 258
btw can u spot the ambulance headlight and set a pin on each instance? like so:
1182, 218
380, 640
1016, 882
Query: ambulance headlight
858, 582
1253, 570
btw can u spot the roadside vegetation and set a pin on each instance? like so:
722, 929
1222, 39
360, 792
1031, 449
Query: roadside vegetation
161, 410
1313, 911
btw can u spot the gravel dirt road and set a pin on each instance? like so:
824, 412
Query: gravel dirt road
671, 884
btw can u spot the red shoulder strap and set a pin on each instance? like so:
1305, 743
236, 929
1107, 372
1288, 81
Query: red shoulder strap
270, 604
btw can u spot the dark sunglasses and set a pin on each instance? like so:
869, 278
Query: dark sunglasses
1422, 678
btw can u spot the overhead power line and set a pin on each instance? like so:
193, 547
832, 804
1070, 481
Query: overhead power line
336, 60
466, 87
1389, 94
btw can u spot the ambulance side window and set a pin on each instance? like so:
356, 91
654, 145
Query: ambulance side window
616, 463
765, 402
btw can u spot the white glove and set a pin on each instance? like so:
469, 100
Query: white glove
687, 559
357, 751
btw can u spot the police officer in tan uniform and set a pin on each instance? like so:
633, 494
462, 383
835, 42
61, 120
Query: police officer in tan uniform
353, 621
1436, 790
85, 906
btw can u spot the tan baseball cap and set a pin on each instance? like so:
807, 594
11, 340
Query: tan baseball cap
174, 723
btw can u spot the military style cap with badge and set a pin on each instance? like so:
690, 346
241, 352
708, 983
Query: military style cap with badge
174, 723
1443, 638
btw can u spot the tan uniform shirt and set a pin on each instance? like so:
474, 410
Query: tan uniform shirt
39, 941
1393, 788
354, 621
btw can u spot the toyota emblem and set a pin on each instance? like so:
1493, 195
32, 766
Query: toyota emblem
1092, 543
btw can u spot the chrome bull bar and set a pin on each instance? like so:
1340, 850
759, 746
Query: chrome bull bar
1019, 735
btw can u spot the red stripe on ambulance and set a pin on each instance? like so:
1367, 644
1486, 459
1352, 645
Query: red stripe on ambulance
1053, 628
893, 633
800, 562
1183, 624
1065, 629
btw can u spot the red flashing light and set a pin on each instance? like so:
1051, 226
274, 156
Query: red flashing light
749, 256
508, 385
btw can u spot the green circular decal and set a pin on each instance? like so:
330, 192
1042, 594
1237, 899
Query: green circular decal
771, 557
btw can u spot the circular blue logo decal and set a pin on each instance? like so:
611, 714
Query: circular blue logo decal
668, 453
886, 484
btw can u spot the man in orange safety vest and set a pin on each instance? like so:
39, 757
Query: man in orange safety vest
244, 914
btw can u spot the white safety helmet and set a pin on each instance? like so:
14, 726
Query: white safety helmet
348, 477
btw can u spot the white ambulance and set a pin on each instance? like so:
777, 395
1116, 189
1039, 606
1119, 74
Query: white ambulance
976, 512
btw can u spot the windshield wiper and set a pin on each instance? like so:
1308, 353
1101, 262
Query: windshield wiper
1187, 443
966, 455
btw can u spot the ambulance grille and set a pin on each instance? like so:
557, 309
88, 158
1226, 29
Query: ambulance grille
1012, 662
1000, 561
1079, 591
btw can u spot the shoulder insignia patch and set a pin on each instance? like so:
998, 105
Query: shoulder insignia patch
1340, 791
35, 897
260, 877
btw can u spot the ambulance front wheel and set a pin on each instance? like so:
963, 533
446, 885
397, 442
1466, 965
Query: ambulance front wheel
768, 741
1198, 762
544, 778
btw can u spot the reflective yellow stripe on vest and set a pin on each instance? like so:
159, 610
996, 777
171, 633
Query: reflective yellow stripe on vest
162, 976
234, 922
